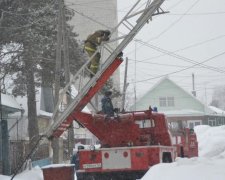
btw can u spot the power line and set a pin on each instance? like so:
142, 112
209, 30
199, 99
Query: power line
160, 64
98, 7
187, 47
168, 53
181, 57
93, 7
90, 18
172, 24
197, 14
183, 68
173, 6
175, 22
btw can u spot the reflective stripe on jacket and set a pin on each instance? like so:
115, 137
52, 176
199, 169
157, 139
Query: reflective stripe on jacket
89, 49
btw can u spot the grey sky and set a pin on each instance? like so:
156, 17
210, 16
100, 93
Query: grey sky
195, 23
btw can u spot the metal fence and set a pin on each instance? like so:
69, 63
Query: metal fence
19, 150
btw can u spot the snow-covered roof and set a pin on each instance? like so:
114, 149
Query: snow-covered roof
217, 110
183, 112
44, 113
23, 101
192, 112
10, 101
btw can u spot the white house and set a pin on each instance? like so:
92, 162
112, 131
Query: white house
180, 107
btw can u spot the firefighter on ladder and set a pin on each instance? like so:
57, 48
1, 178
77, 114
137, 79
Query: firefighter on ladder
90, 46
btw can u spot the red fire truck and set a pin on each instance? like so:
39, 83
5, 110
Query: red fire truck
131, 142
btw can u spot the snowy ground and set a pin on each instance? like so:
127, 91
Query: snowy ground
209, 165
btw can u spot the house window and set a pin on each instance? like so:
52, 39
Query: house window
147, 123
173, 126
166, 101
162, 101
212, 122
193, 123
170, 101
219, 121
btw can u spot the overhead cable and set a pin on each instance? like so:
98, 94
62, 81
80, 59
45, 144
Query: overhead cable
175, 22
184, 48
182, 57
174, 72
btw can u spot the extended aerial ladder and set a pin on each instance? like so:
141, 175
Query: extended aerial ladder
141, 12
133, 21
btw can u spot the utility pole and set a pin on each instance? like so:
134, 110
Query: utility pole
1, 18
135, 74
4, 141
67, 79
1, 147
125, 85
193, 85
57, 157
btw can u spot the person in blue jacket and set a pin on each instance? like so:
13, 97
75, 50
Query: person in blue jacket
75, 158
107, 106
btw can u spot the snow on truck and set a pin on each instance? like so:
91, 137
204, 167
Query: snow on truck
133, 141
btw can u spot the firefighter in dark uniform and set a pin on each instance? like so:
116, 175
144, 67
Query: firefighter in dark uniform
75, 158
91, 44
107, 106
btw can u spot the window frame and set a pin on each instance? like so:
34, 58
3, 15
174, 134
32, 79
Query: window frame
194, 123
162, 102
170, 101
166, 101
146, 123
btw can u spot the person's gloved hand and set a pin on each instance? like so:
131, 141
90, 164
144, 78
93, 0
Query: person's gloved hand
107, 32
120, 55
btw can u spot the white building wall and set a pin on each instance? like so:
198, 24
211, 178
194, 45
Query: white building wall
102, 11
103, 14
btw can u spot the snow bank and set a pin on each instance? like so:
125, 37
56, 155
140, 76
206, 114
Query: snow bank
34, 174
211, 140
210, 165
186, 169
